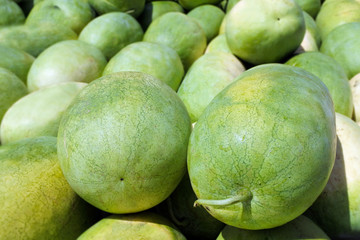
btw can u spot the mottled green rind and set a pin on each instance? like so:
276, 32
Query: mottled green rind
337, 210
122, 142
10, 13
39, 113
268, 137
179, 32
209, 17
218, 44
11, 89
190, 4
111, 32
155, 9
146, 225
66, 61
71, 13
16, 61
35, 39
210, 74
302, 228
332, 74
193, 222
343, 44
155, 59
133, 7
311, 7
36, 202
275, 32
334, 13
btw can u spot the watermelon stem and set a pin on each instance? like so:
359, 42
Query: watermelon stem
130, 11
244, 196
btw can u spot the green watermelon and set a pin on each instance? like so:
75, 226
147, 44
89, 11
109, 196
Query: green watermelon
36, 200
262, 151
145, 225
122, 142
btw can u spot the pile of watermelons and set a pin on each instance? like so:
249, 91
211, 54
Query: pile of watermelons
189, 119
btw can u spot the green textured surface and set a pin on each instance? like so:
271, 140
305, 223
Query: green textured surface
112, 32
35, 39
209, 17
343, 44
38, 113
37, 1
193, 222
337, 210
144, 225
262, 31
155, 59
190, 4
66, 61
16, 61
122, 142
179, 32
133, 7
155, 9
332, 74
334, 13
312, 7
11, 89
301, 228
36, 202
10, 13
210, 74
265, 146
71, 13
218, 44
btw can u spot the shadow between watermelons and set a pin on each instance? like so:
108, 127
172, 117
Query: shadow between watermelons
194, 222
26, 6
